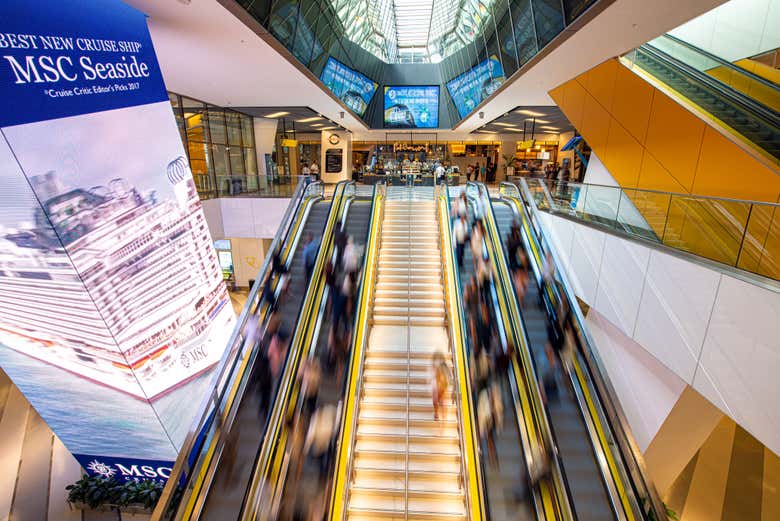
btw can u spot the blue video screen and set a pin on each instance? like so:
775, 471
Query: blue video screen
470, 88
350, 86
412, 107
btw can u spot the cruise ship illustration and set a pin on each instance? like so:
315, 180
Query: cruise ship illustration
114, 285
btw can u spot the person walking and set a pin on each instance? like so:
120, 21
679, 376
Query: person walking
460, 234
440, 382
315, 170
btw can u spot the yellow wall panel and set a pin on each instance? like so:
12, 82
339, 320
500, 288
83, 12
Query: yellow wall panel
725, 170
600, 82
595, 124
623, 157
574, 101
557, 94
760, 69
632, 101
674, 138
653, 176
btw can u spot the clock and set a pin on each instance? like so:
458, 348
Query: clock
333, 139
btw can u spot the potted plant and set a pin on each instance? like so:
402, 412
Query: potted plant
107, 494
509, 165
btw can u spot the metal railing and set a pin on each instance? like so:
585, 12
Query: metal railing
620, 457
214, 418
740, 234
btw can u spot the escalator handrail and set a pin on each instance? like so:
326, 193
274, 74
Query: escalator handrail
273, 442
725, 63
453, 292
632, 470
546, 509
345, 447
212, 406
756, 109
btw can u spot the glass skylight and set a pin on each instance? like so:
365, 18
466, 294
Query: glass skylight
398, 31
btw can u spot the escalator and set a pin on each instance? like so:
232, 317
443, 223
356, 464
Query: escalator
603, 473
718, 87
587, 488
217, 464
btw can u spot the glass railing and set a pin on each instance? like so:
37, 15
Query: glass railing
742, 234
740, 100
211, 186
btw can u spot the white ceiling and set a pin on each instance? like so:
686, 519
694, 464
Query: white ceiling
207, 53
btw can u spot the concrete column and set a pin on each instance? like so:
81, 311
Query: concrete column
336, 141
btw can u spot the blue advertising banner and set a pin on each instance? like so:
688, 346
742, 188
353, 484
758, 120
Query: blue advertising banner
470, 88
119, 311
71, 58
350, 86
412, 107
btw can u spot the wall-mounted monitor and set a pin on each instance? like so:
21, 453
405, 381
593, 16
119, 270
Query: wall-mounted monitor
350, 86
412, 106
470, 88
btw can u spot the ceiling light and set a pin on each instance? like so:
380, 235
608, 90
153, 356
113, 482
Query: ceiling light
529, 113
289, 130
308, 120
505, 124
318, 125
276, 115
327, 128
541, 121
550, 128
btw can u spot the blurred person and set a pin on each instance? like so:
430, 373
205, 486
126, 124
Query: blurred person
352, 255
460, 234
340, 243
305, 169
319, 438
469, 172
440, 382
439, 173
486, 424
310, 249
277, 348
476, 242
315, 170
482, 173
277, 273
310, 387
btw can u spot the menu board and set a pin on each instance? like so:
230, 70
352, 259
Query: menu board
412, 107
350, 86
470, 88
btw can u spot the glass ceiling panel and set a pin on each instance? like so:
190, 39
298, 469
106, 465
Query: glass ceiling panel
431, 30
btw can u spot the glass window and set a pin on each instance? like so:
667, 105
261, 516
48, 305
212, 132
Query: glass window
549, 20
525, 35
574, 8
177, 113
216, 118
236, 161
233, 123
506, 43
247, 131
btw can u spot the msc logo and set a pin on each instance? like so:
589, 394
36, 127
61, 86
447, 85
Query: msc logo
128, 472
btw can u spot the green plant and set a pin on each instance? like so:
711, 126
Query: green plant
95, 491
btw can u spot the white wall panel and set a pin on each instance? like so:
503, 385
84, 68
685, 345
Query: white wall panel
675, 309
268, 214
742, 356
585, 262
562, 231
212, 210
646, 389
237, 218
620, 282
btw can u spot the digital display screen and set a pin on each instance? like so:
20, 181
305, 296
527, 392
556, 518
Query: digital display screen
350, 86
470, 88
412, 107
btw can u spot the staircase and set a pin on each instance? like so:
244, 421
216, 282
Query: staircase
406, 466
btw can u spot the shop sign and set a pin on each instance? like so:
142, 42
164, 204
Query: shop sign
289, 143
525, 145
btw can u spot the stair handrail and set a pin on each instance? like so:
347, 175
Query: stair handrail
596, 374
345, 447
212, 407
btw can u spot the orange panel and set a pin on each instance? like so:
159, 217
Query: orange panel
725, 170
573, 102
623, 155
632, 101
557, 94
769, 265
600, 82
595, 124
653, 176
674, 138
